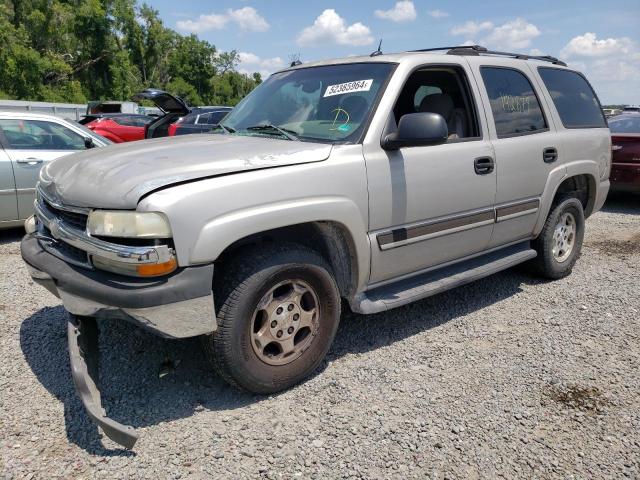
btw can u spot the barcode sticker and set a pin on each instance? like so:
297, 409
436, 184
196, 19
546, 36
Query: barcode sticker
349, 87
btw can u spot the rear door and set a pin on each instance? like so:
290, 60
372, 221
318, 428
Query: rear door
8, 199
526, 144
30, 144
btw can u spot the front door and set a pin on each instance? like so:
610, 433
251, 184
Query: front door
8, 201
30, 145
435, 204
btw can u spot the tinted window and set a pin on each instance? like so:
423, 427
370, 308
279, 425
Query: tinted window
625, 124
515, 107
217, 116
573, 97
40, 135
204, 119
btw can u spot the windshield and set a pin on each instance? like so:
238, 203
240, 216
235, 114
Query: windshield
626, 124
328, 104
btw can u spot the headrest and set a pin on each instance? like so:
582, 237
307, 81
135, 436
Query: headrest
440, 103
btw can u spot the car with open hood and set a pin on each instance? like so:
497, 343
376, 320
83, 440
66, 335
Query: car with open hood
375, 181
172, 107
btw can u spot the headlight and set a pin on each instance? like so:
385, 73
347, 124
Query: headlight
128, 224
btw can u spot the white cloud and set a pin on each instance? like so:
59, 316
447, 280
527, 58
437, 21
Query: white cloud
588, 45
246, 18
203, 23
513, 35
438, 13
250, 62
611, 64
471, 28
403, 11
536, 52
249, 19
330, 27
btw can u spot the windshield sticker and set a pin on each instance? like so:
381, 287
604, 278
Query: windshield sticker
349, 87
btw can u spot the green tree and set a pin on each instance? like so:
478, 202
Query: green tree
78, 50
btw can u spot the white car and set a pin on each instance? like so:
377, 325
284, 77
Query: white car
27, 142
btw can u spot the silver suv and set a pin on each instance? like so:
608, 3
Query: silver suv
376, 181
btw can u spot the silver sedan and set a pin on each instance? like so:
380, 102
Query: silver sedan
27, 142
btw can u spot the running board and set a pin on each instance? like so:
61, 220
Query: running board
431, 283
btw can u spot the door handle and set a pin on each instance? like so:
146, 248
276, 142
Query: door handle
550, 155
30, 161
483, 165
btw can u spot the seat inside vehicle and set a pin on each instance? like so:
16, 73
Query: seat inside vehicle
441, 90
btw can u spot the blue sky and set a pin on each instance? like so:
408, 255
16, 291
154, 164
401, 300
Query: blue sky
602, 41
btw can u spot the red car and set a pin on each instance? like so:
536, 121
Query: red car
625, 144
120, 127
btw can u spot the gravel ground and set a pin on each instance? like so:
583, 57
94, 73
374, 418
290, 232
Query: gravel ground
508, 377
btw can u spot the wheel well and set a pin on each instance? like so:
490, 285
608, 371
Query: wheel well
330, 239
583, 187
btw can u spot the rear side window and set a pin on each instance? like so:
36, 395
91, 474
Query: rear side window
515, 106
573, 97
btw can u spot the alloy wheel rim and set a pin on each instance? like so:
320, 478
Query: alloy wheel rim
564, 237
285, 322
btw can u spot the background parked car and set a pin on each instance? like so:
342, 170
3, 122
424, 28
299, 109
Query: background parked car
172, 107
200, 120
27, 142
120, 127
625, 143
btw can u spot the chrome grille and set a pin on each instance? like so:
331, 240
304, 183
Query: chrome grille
73, 219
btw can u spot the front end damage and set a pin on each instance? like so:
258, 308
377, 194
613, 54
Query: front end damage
84, 354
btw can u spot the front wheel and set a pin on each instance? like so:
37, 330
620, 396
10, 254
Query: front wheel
560, 240
279, 311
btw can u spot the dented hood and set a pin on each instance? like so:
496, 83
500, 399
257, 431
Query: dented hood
118, 176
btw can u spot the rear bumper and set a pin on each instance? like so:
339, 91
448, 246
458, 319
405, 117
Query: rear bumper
625, 176
179, 305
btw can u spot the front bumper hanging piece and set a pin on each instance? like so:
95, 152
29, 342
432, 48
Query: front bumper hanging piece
84, 355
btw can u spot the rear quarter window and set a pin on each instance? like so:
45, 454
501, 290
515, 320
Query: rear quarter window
573, 97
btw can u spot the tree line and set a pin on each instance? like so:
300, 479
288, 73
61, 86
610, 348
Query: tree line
80, 50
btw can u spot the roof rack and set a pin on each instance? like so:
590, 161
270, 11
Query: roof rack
480, 50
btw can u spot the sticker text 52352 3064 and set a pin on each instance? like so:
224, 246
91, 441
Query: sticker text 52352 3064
349, 87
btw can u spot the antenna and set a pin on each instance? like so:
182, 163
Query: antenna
378, 51
295, 59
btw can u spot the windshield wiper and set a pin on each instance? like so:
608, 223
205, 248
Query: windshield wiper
288, 134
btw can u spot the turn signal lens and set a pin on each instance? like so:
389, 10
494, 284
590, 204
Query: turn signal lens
155, 269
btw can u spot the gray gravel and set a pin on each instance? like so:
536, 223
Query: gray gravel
507, 377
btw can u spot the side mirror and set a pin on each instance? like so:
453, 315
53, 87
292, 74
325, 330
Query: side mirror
416, 130
88, 142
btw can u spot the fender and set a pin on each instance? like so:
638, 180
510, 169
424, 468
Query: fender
221, 232
555, 179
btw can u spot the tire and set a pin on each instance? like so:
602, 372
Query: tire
558, 265
245, 349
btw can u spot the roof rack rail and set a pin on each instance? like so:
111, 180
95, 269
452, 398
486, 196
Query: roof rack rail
480, 50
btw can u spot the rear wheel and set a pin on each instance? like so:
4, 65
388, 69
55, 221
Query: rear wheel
278, 314
560, 240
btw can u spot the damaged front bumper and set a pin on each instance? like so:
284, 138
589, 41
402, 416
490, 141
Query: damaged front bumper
84, 355
179, 305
